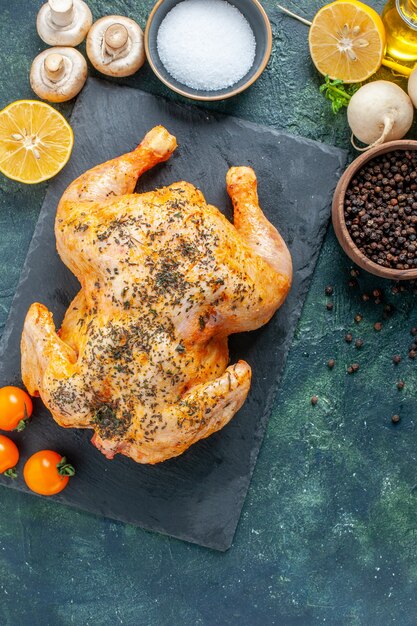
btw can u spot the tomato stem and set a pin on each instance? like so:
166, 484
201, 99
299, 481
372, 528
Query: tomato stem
64, 468
11, 473
23, 422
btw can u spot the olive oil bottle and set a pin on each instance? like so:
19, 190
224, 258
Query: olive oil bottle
400, 21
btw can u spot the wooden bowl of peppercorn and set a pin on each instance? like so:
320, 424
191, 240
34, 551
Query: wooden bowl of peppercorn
375, 210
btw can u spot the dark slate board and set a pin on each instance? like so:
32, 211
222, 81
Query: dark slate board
198, 496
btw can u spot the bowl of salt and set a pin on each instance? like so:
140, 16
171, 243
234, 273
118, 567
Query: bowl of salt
208, 49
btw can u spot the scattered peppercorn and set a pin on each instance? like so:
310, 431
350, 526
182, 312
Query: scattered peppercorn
377, 293
358, 318
388, 311
413, 332
329, 290
396, 359
331, 363
329, 306
348, 338
352, 283
365, 297
358, 344
395, 419
314, 400
412, 354
354, 272
381, 211
378, 326
352, 369
400, 385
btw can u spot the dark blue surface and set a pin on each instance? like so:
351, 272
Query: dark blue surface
328, 531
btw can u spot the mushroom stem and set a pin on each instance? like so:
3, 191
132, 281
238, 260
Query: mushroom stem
54, 65
62, 11
115, 38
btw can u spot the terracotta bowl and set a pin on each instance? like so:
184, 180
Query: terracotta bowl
338, 216
255, 14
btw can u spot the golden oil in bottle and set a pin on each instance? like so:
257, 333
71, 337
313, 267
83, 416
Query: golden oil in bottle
400, 21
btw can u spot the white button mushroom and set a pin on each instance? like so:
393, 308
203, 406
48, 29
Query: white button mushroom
115, 46
64, 22
58, 74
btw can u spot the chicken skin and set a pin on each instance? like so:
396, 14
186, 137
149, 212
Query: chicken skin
142, 356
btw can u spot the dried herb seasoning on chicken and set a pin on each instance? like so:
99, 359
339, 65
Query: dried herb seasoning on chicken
142, 355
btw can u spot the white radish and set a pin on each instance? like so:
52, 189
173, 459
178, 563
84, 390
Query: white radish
379, 112
412, 87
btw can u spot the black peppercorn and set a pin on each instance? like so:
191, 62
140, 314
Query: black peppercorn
388, 311
378, 326
331, 363
352, 369
359, 343
348, 338
396, 359
329, 290
380, 210
329, 306
400, 385
395, 419
314, 400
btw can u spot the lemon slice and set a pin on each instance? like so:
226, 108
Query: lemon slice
347, 41
35, 141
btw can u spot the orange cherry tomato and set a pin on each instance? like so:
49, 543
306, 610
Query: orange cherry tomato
15, 407
47, 472
9, 456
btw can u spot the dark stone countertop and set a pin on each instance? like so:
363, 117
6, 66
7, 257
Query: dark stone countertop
328, 531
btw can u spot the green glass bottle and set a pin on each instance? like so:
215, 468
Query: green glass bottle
400, 21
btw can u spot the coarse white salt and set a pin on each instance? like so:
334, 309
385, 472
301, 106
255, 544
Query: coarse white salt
206, 44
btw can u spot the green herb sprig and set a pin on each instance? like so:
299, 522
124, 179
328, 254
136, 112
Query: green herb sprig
338, 93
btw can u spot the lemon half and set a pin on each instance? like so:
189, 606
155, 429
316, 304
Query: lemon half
347, 41
35, 141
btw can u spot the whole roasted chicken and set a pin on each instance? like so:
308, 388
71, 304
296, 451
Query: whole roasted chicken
142, 357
